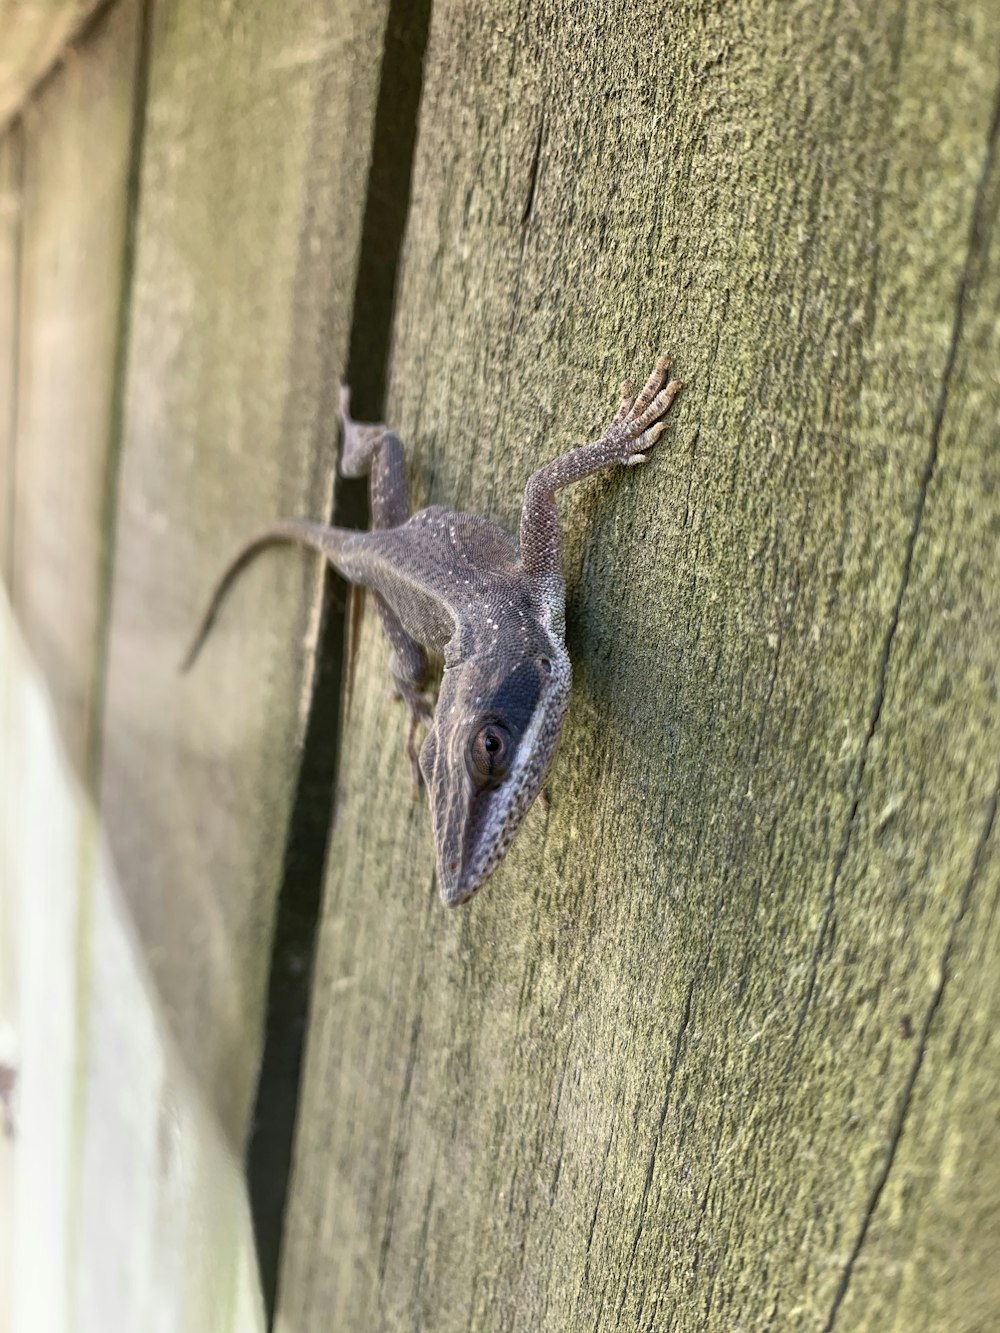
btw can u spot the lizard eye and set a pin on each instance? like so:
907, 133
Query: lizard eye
490, 754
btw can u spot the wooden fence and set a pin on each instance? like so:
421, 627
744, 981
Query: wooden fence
717, 1048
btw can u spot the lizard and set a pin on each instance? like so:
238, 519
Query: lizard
457, 586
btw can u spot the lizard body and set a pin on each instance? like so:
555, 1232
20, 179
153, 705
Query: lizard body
458, 586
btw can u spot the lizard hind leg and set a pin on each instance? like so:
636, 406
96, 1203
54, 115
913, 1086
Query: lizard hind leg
376, 451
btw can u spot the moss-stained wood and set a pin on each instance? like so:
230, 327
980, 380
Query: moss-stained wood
11, 157
713, 1049
923, 1249
257, 136
77, 153
34, 36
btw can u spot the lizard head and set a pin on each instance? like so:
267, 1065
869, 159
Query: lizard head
485, 757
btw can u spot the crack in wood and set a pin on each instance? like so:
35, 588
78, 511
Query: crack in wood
896, 1135
972, 250
533, 175
386, 211
651, 1164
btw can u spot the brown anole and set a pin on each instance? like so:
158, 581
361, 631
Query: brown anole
457, 585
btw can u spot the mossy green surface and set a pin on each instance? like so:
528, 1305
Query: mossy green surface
715, 1048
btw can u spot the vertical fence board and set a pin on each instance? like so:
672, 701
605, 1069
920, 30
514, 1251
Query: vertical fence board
77, 153
122, 1205
33, 37
927, 824
11, 157
257, 136
657, 1074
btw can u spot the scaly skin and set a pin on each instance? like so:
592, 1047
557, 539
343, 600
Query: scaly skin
457, 585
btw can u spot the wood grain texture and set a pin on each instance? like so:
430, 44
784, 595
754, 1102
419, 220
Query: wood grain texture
34, 36
122, 1205
927, 1241
256, 144
77, 156
11, 159
716, 1048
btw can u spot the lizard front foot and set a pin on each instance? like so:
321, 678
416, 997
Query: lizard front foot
637, 425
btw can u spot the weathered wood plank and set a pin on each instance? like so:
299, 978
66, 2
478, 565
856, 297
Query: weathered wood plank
257, 136
10, 230
924, 1247
33, 36
11, 158
121, 1203
78, 136
653, 1076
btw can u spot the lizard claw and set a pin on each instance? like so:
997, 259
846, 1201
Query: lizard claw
644, 443
627, 401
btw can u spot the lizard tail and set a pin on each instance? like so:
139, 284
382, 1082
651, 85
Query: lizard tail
327, 541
